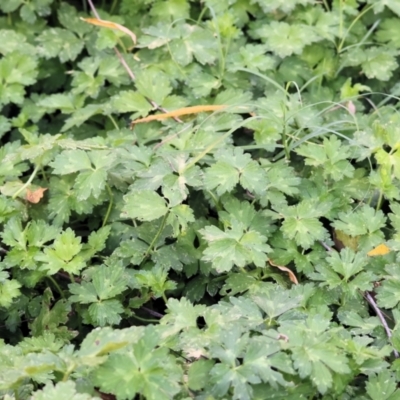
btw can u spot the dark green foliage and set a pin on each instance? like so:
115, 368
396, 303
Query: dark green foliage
161, 262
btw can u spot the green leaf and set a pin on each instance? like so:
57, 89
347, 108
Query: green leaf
10, 41
276, 302
61, 391
81, 115
194, 42
347, 263
222, 176
301, 224
234, 246
102, 341
388, 293
130, 101
364, 222
145, 369
63, 254
332, 157
106, 312
68, 17
64, 200
231, 168
144, 205
92, 180
198, 373
16, 71
108, 282
382, 386
9, 290
10, 5
378, 64
285, 6
284, 39
156, 280
181, 315
153, 84
52, 318
71, 161
59, 42
314, 352
389, 32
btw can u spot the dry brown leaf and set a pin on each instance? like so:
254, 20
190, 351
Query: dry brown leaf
111, 25
178, 113
292, 276
35, 196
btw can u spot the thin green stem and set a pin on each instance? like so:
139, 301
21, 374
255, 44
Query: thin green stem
217, 205
113, 5
68, 372
121, 43
164, 298
110, 204
154, 241
325, 3
200, 17
284, 137
71, 278
44, 175
57, 286
153, 321
340, 18
114, 123
339, 49
28, 182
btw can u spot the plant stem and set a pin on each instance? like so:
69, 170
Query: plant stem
113, 5
28, 182
154, 321
110, 204
54, 282
153, 242
164, 298
114, 123
339, 49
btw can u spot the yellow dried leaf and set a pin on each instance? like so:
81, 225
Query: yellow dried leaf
380, 250
111, 25
178, 113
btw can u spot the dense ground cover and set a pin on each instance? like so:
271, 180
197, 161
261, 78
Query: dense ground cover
244, 252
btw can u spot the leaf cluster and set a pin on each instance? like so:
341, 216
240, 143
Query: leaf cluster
220, 255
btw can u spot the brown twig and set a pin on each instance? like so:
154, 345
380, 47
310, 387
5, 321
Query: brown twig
152, 312
126, 66
380, 315
326, 247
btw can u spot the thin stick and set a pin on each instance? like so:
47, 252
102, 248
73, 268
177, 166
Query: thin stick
328, 248
378, 312
152, 312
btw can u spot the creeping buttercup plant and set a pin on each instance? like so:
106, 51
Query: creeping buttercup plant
245, 252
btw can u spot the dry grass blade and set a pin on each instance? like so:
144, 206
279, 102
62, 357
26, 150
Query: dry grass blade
292, 276
110, 25
178, 113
